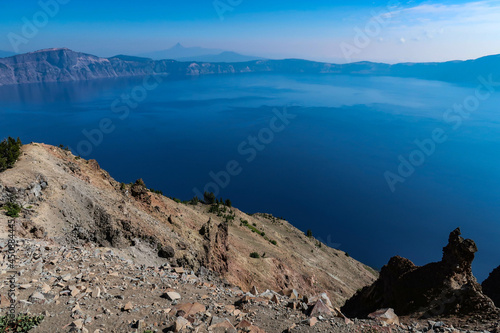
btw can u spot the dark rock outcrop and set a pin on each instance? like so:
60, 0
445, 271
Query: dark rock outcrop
140, 192
436, 289
166, 251
491, 286
216, 246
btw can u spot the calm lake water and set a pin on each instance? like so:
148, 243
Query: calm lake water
323, 170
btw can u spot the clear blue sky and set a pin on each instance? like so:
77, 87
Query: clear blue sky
320, 29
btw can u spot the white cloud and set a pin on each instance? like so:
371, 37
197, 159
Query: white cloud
472, 12
443, 32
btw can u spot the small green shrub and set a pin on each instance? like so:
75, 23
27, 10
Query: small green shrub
309, 233
155, 191
254, 255
214, 209
274, 242
12, 208
22, 323
194, 201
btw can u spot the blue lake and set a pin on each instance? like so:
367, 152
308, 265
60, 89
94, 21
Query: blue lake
323, 170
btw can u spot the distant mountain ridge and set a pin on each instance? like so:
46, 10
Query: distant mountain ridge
181, 53
178, 51
221, 57
60, 65
4, 54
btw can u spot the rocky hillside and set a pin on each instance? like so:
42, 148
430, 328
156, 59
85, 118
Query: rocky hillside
95, 255
62, 65
98, 289
73, 201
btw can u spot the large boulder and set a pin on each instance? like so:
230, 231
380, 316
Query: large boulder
491, 286
436, 289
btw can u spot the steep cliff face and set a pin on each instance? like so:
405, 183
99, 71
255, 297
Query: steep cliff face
437, 289
53, 65
60, 65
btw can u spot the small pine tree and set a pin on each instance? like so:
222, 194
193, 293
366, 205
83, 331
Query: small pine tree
309, 233
228, 203
10, 150
209, 198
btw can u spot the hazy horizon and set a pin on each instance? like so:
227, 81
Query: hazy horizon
391, 32
270, 58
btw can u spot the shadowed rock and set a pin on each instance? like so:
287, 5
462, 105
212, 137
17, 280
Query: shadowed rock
436, 289
491, 286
